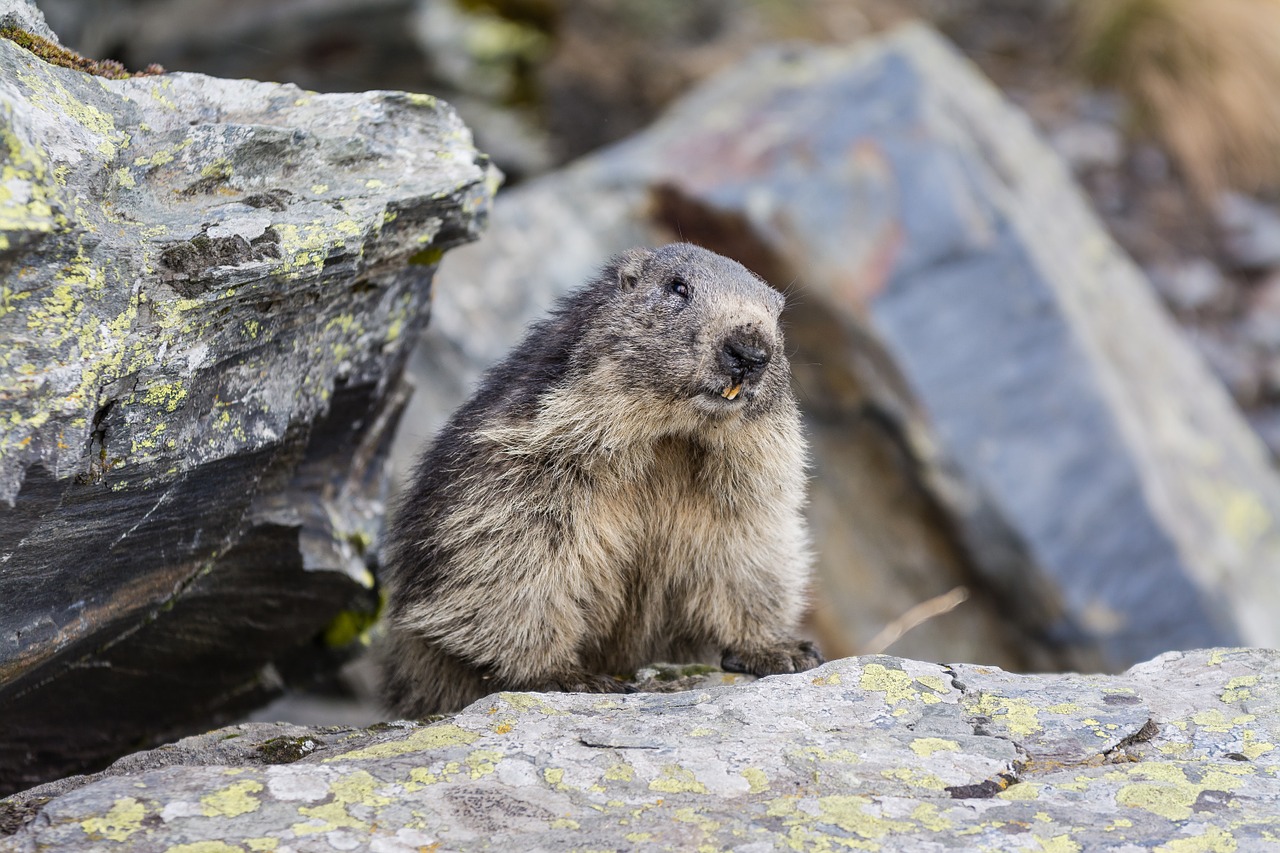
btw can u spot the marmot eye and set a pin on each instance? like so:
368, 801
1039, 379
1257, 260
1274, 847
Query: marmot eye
678, 287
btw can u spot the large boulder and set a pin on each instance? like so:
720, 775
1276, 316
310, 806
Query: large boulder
995, 398
210, 289
868, 753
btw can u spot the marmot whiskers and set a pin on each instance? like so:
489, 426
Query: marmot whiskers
627, 486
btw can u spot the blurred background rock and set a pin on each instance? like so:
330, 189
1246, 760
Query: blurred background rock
1164, 110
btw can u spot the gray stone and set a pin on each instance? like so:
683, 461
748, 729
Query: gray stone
1089, 145
1191, 285
210, 288
1250, 231
995, 397
870, 753
1231, 357
24, 15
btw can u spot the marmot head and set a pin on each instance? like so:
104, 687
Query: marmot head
694, 326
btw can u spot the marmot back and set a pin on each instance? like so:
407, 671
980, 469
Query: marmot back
626, 486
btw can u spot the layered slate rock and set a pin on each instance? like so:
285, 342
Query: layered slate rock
995, 397
210, 288
870, 753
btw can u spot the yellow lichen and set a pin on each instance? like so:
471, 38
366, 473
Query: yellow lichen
1026, 791
1059, 844
1214, 839
756, 779
1063, 708
1214, 720
620, 773
166, 395
262, 845
1019, 716
526, 702
356, 788
123, 819
929, 816
232, 801
432, 737
895, 684
848, 812
930, 745
915, 778
482, 762
1166, 790
675, 779
1237, 688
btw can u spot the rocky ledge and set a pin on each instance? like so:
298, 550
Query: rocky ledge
872, 753
208, 291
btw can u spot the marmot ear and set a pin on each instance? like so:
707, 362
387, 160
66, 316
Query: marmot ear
629, 266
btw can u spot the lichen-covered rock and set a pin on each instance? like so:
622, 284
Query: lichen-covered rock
995, 397
874, 753
209, 289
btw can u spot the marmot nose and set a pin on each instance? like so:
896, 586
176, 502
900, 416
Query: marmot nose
743, 359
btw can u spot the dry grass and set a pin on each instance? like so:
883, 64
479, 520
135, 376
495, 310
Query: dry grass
1204, 75
914, 618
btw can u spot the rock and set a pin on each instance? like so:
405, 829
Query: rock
1266, 422
1250, 232
24, 15
870, 752
1089, 145
995, 397
210, 288
1191, 285
1261, 325
1232, 359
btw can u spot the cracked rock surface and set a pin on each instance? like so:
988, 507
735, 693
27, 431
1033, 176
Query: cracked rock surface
209, 290
870, 753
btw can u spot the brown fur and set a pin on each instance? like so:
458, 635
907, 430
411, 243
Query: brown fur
599, 504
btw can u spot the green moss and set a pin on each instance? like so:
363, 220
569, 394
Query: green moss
286, 750
348, 627
55, 54
428, 257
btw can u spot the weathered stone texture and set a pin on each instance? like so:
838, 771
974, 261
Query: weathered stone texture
209, 290
874, 753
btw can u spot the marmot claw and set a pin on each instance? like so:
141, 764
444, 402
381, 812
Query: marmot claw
790, 656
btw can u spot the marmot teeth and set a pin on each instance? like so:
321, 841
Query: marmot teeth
730, 392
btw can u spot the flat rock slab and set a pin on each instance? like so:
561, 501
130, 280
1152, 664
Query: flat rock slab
869, 753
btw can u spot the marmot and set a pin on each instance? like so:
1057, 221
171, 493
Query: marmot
627, 486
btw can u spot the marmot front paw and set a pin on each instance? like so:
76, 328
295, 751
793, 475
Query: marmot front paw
790, 656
